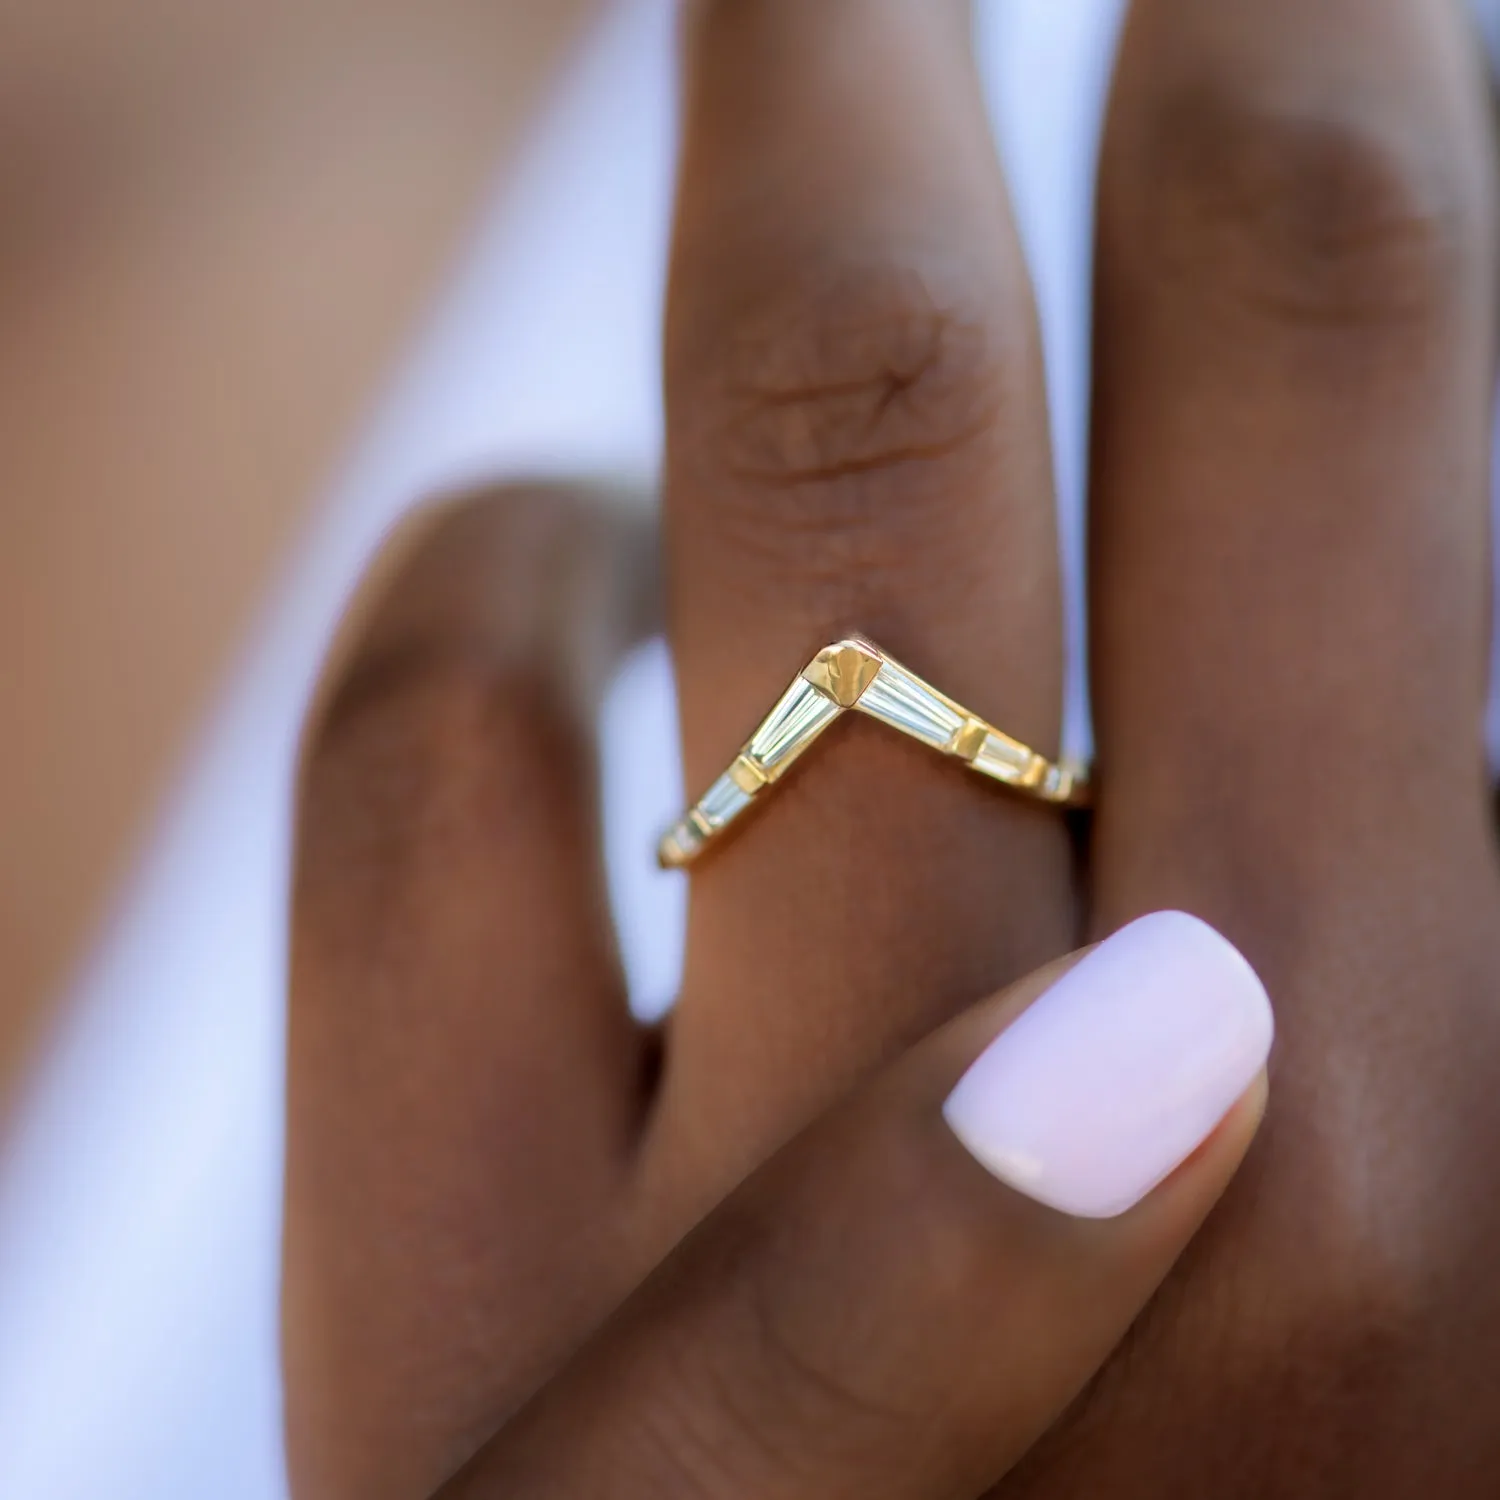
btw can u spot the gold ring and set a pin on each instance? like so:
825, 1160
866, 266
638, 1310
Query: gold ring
853, 674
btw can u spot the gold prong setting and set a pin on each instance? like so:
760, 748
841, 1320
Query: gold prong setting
748, 774
854, 675
842, 671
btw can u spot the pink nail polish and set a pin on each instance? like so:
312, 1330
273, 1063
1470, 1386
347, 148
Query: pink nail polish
1113, 1077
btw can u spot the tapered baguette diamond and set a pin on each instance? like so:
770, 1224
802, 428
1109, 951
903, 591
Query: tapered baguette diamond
723, 800
1002, 758
902, 701
797, 720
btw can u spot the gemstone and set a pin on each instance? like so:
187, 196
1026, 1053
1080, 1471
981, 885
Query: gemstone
723, 800
908, 704
1002, 758
797, 720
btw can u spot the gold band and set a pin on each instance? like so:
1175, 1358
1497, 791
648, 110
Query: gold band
853, 674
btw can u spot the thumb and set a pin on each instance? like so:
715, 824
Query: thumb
873, 1311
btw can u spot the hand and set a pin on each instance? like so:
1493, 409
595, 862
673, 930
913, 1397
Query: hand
1288, 587
870, 1308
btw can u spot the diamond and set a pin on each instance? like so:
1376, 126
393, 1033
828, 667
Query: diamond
797, 720
906, 703
1002, 758
722, 801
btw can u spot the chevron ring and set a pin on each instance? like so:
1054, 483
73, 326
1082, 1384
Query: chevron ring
853, 674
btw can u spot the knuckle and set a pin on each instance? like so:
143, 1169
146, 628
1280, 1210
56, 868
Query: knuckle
822, 1368
531, 584
1333, 215
836, 416
820, 1297
486, 631
818, 1355
406, 704
879, 370
680, 1435
402, 769
727, 1409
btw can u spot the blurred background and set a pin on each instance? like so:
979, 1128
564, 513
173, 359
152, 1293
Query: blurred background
268, 277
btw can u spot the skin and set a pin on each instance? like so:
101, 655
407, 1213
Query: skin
1288, 595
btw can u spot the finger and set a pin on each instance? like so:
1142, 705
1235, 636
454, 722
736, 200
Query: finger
463, 1075
1295, 356
856, 441
873, 1313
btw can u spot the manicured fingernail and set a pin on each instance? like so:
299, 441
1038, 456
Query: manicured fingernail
1114, 1077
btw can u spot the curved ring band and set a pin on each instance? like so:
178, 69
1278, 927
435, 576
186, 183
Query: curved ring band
854, 674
